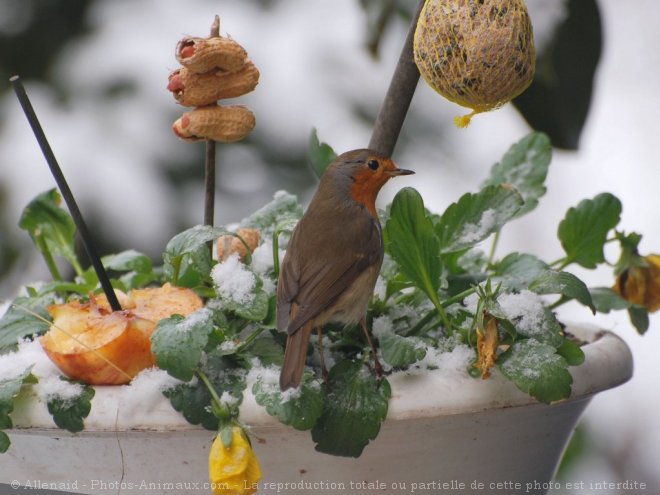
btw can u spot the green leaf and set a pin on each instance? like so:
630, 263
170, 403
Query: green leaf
412, 242
267, 350
136, 280
129, 260
537, 369
69, 414
19, 322
299, 407
355, 404
476, 216
639, 317
571, 352
186, 258
564, 283
320, 154
51, 228
518, 270
525, 167
606, 300
191, 239
401, 351
254, 310
194, 269
9, 389
4, 442
282, 208
81, 287
224, 374
193, 399
584, 229
530, 317
178, 342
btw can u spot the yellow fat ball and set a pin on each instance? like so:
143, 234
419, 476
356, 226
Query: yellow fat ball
476, 53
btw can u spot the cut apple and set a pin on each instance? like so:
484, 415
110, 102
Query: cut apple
91, 343
156, 303
96, 347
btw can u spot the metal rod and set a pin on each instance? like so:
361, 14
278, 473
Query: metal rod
66, 192
210, 160
398, 97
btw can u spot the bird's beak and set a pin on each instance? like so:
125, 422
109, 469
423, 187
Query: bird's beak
399, 171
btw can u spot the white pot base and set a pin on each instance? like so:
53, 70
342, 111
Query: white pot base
471, 437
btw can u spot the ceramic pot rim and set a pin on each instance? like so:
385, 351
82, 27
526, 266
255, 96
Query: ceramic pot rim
608, 363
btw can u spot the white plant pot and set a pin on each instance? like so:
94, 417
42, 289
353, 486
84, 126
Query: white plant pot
467, 433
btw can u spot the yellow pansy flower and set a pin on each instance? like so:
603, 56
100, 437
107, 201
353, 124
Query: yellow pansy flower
234, 470
640, 283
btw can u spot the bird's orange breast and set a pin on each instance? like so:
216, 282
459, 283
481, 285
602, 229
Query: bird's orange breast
365, 188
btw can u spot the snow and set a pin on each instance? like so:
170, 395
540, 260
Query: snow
194, 319
450, 364
381, 326
149, 380
471, 302
262, 258
269, 377
227, 399
262, 264
55, 387
228, 345
12, 366
476, 232
526, 308
233, 281
380, 290
50, 385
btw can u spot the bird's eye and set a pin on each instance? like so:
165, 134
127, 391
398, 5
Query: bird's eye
373, 164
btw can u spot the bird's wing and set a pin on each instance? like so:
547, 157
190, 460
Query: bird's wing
287, 288
316, 281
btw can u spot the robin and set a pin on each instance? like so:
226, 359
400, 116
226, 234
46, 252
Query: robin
333, 258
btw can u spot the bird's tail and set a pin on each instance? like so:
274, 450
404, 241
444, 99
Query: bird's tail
294, 357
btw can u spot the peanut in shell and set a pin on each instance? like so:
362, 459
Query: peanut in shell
202, 55
477, 53
218, 123
191, 89
229, 244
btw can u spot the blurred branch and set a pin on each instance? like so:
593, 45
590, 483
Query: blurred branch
399, 95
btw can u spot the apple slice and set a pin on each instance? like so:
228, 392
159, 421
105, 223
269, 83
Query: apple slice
91, 343
98, 347
156, 303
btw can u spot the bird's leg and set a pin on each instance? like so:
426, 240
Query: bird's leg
377, 367
324, 370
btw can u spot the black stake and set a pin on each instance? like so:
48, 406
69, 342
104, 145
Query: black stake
399, 95
66, 192
209, 182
